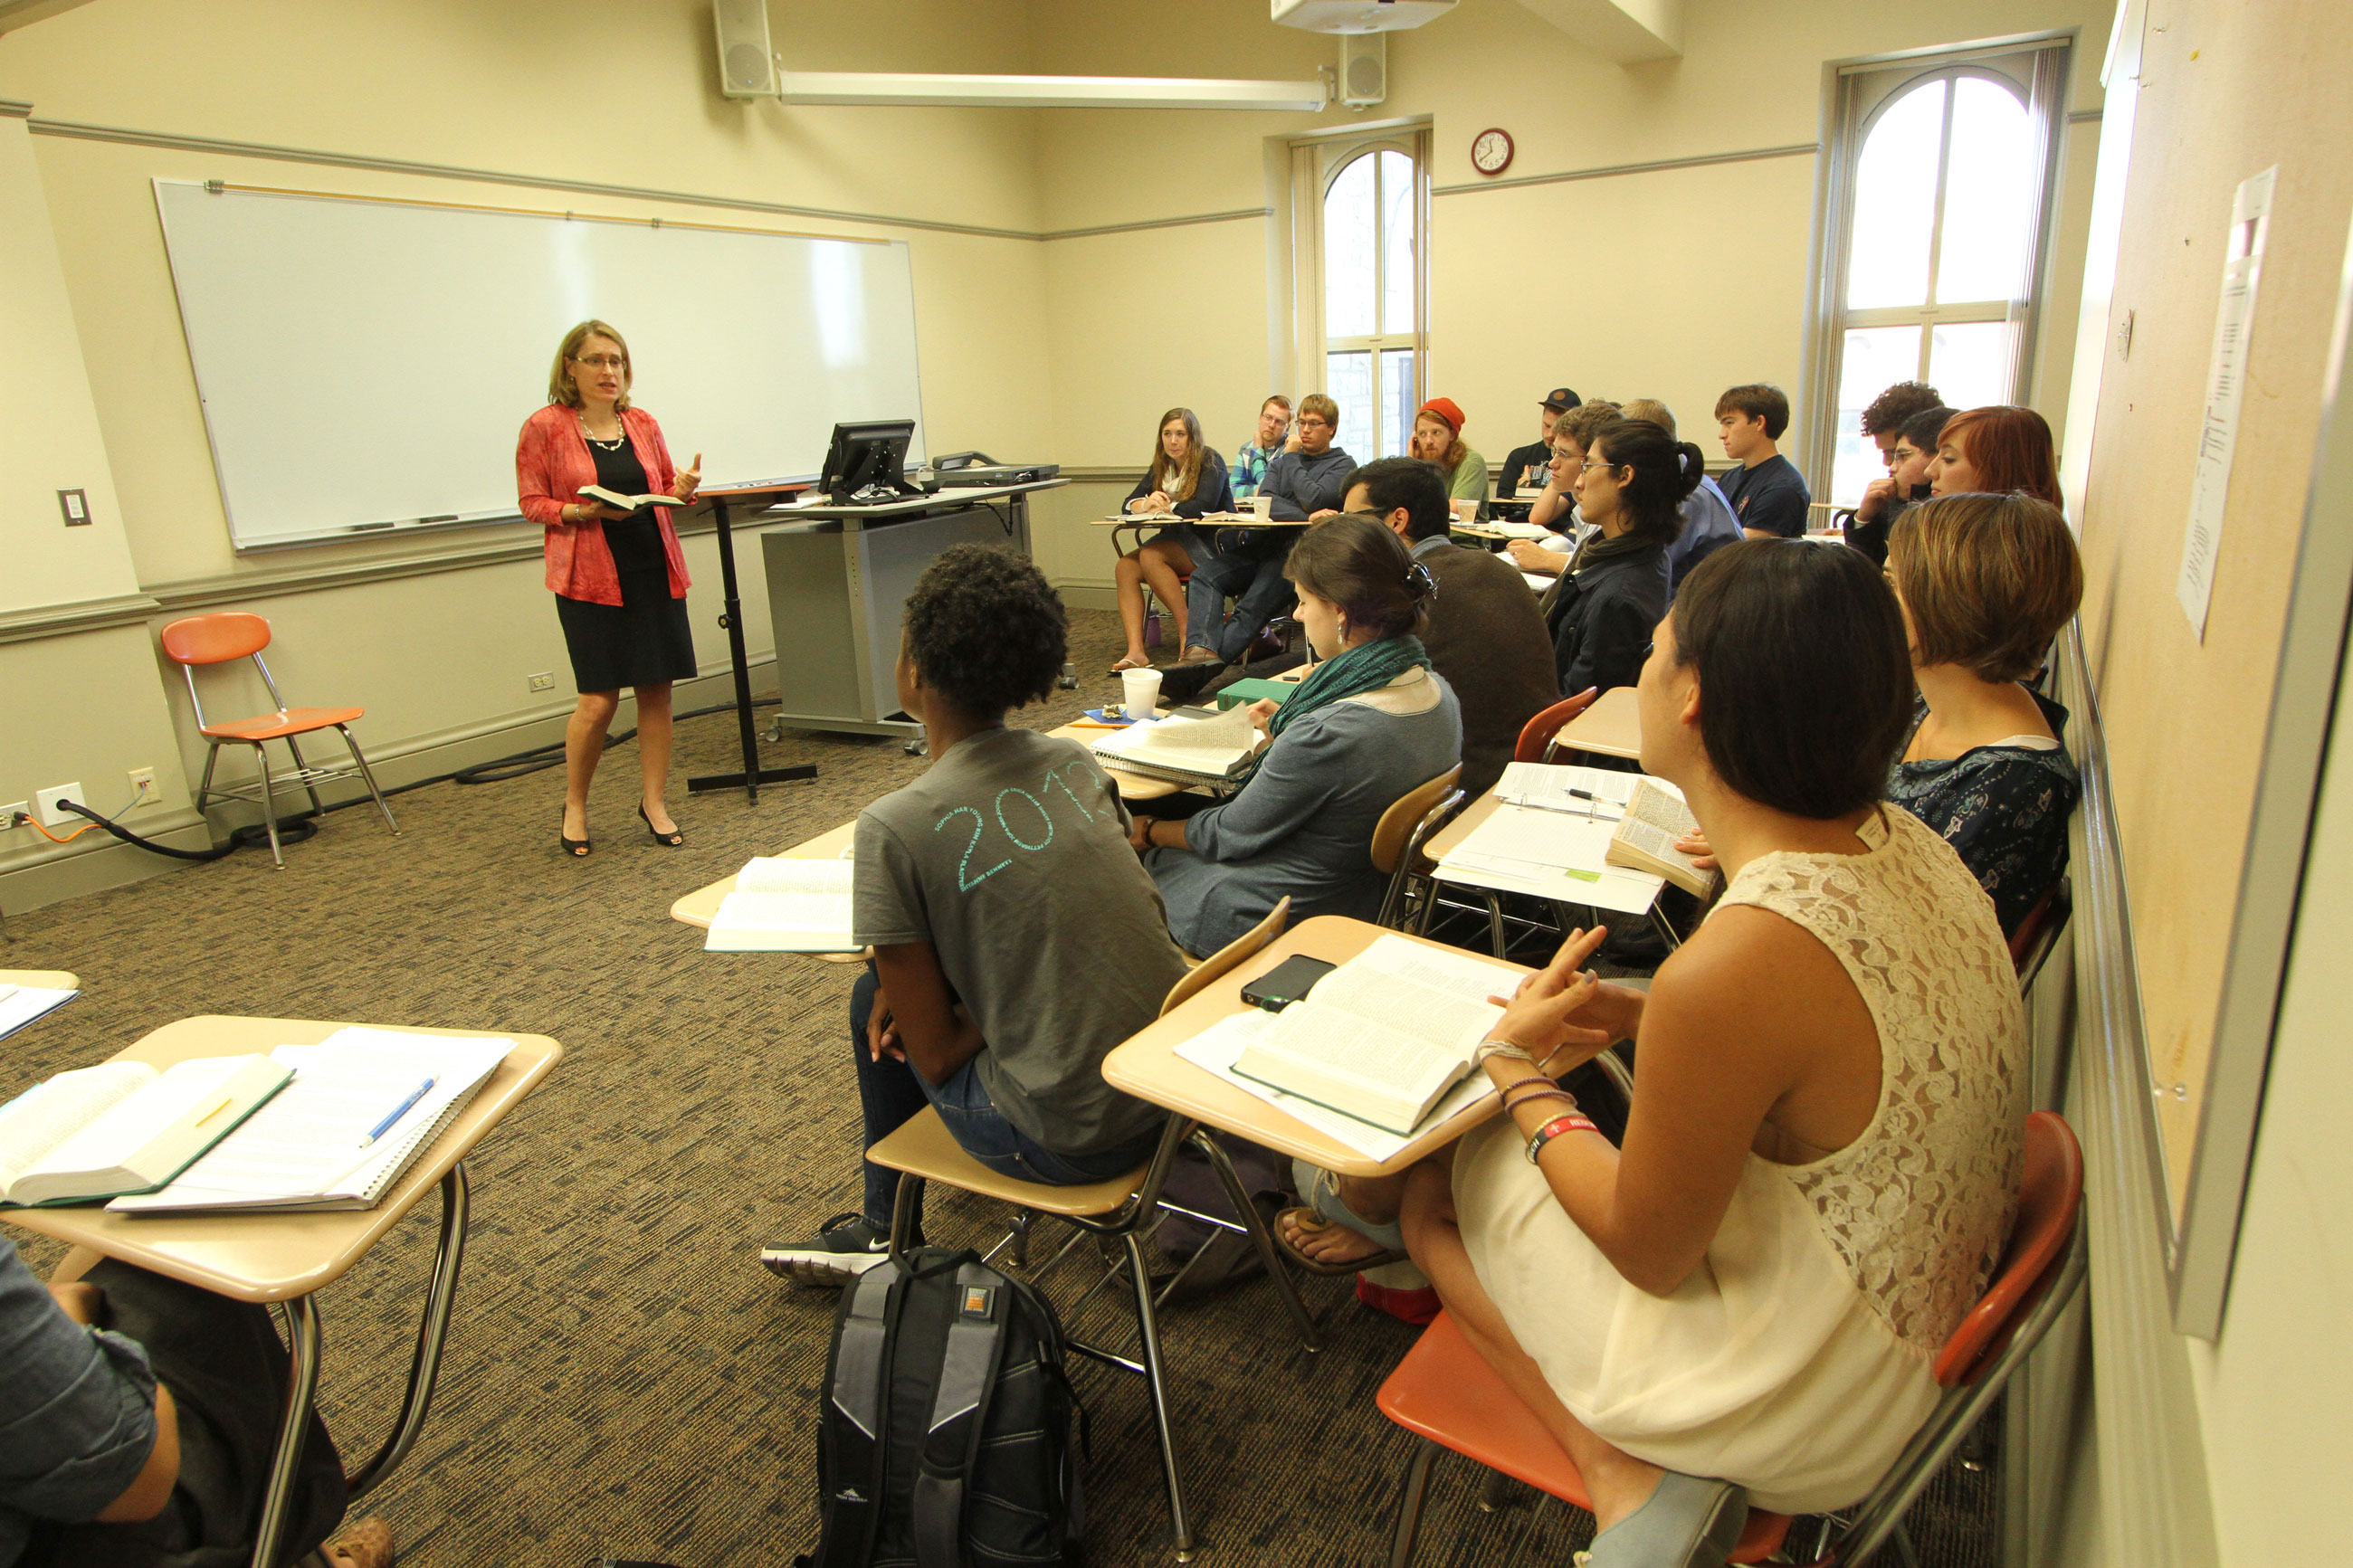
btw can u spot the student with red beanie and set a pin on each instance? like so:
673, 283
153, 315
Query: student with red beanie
1438, 438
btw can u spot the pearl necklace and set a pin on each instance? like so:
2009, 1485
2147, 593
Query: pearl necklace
612, 446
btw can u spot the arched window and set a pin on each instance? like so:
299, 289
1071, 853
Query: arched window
1372, 249
1941, 245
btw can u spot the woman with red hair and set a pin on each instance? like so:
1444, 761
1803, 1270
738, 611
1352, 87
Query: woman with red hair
1997, 450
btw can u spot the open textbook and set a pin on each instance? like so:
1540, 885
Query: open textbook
1383, 1037
124, 1127
620, 502
363, 1105
1548, 835
1208, 751
1645, 838
782, 904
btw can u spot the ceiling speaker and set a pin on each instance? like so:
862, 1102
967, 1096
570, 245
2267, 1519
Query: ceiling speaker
1364, 68
747, 65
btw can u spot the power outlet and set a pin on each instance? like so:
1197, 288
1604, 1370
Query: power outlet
11, 811
544, 681
142, 787
45, 803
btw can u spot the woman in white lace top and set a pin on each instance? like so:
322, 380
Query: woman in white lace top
1824, 1149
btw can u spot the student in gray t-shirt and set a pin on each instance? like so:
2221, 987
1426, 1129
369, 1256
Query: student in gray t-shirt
1016, 938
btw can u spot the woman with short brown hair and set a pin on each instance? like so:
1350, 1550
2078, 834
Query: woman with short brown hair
1985, 582
619, 577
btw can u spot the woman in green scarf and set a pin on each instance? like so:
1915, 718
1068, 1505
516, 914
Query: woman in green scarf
1373, 722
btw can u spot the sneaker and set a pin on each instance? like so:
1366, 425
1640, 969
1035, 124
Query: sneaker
845, 1247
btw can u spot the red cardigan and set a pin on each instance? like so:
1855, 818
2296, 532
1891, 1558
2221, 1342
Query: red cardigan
552, 463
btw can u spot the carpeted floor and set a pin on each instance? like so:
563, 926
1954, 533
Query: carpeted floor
623, 1379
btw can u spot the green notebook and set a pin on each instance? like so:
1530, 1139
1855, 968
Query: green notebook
1242, 691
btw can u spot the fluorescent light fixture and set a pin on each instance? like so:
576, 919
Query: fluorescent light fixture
1049, 92
1358, 15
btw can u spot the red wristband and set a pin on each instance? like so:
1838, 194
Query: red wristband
1554, 1128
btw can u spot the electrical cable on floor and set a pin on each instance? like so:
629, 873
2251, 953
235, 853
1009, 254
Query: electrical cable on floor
218, 852
299, 825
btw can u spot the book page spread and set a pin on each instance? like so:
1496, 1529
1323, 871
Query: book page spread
1217, 1047
43, 1117
784, 874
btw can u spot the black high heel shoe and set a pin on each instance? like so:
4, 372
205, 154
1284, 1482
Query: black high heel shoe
577, 848
674, 838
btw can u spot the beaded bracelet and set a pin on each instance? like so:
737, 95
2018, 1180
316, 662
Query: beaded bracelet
1512, 1105
1524, 1082
1554, 1128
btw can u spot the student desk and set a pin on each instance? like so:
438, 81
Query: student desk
1612, 726
289, 1257
698, 908
1148, 1066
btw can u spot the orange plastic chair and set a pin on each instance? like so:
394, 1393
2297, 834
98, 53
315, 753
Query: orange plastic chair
1445, 1391
1535, 736
234, 635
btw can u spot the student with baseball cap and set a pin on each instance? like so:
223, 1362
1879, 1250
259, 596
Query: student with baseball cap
1531, 464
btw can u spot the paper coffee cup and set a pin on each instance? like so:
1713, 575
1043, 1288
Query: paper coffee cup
1263, 505
1465, 509
1139, 692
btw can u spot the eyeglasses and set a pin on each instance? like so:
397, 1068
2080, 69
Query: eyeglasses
1307, 419
602, 361
1590, 464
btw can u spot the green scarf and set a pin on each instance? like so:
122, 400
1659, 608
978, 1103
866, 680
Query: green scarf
1367, 667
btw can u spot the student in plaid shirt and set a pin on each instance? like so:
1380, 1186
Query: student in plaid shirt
1249, 463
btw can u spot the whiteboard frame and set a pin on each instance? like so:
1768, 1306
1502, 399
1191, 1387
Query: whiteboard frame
2270, 881
499, 515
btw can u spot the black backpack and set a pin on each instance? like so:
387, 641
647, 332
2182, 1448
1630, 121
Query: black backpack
944, 1438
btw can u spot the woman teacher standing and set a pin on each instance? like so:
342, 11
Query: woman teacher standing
620, 578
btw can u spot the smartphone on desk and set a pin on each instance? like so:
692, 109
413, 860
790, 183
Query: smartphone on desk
1286, 983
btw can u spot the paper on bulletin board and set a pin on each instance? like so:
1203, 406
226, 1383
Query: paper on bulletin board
2218, 435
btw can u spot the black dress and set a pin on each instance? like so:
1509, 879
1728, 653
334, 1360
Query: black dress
644, 640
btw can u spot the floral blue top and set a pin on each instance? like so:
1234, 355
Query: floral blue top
2004, 808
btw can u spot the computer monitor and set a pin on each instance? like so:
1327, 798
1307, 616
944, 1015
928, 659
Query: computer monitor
868, 462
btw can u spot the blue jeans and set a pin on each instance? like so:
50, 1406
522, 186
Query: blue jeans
1260, 593
889, 1093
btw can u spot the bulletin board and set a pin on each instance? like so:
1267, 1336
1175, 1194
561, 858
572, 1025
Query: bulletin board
2213, 739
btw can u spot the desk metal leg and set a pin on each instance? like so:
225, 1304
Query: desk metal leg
1248, 1213
432, 1332
302, 1330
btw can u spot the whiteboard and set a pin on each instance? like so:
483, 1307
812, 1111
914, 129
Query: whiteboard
364, 367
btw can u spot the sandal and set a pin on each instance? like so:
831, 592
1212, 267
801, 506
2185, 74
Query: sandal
363, 1543
1130, 662
1314, 1223
1689, 1522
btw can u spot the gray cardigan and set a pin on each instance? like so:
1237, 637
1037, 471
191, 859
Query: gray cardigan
1303, 825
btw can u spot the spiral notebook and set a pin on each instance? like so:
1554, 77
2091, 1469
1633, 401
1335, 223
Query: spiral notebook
317, 1146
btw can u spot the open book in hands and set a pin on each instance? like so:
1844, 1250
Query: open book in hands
1645, 839
124, 1127
1383, 1036
619, 502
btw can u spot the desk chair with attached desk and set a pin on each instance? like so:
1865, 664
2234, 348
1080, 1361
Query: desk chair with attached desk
1445, 1391
233, 635
1410, 823
923, 1150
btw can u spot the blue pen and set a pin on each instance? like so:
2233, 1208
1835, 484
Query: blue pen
421, 1090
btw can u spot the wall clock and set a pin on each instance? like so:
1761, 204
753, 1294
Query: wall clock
1490, 152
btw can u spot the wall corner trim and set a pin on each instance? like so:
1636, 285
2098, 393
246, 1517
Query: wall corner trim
77, 615
12, 110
